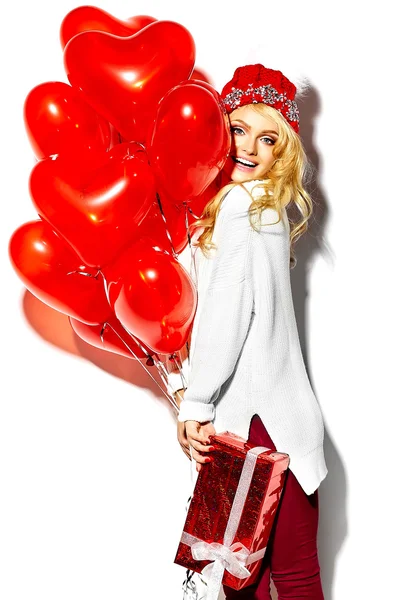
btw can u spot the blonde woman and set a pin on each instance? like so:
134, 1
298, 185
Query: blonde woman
245, 369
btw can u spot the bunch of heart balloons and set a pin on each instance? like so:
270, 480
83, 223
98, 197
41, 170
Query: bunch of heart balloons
126, 154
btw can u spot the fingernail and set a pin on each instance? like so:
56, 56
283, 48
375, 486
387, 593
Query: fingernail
212, 448
209, 459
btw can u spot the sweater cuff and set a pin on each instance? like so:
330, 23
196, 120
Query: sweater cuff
196, 411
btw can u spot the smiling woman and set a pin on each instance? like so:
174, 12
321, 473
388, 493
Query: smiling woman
245, 369
254, 136
265, 148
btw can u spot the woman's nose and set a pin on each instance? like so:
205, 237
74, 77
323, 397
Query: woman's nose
249, 146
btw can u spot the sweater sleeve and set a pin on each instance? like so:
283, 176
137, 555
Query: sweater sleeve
226, 310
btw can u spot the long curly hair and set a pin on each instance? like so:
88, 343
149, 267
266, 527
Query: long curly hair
282, 187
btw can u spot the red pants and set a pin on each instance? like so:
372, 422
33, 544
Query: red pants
291, 558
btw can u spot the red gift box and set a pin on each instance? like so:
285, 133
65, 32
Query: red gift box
231, 513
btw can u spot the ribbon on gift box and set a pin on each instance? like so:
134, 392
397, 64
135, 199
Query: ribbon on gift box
232, 557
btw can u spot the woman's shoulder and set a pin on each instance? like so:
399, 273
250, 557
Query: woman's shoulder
239, 197
245, 191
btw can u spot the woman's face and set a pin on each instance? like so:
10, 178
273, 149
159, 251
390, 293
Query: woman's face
253, 138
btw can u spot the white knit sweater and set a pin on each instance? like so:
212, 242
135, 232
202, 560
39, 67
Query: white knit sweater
245, 355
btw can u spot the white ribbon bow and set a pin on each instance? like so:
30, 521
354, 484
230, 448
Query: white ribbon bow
232, 560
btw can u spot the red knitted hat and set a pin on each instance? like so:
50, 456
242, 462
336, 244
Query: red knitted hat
255, 83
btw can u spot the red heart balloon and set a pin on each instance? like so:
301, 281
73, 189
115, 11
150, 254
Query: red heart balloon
175, 215
190, 141
110, 336
59, 121
125, 78
90, 18
152, 295
51, 270
96, 210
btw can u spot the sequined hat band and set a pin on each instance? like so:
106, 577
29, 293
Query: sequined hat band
254, 84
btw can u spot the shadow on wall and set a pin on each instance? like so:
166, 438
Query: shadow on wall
54, 328
333, 490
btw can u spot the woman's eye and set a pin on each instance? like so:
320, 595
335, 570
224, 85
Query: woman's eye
237, 130
268, 140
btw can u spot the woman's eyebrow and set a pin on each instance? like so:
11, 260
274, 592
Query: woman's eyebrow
270, 131
265, 130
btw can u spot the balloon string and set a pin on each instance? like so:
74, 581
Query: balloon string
175, 254
82, 273
178, 363
192, 213
174, 356
150, 359
76, 272
157, 363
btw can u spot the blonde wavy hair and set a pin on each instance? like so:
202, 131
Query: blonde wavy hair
282, 186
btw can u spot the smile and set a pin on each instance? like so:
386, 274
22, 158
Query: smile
246, 163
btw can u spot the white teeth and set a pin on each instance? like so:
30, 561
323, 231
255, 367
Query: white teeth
247, 163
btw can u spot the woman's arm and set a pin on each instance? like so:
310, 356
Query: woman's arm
226, 311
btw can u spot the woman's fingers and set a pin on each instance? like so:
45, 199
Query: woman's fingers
208, 429
199, 457
193, 437
198, 446
195, 431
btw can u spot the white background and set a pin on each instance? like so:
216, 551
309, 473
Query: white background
93, 481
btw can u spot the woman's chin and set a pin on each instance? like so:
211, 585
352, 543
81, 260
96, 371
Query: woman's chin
239, 176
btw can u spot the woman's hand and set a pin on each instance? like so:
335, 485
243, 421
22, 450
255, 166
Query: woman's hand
197, 435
